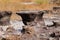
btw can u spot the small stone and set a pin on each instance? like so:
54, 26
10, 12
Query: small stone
48, 23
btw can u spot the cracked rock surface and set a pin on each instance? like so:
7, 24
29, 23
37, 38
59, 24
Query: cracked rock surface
45, 25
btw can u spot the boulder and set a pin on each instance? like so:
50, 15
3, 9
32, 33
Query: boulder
5, 17
17, 25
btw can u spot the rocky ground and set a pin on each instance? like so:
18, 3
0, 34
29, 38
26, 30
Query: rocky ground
44, 27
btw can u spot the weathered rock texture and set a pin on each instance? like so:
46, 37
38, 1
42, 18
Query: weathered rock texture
37, 25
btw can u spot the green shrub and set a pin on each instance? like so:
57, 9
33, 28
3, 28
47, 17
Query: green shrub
41, 1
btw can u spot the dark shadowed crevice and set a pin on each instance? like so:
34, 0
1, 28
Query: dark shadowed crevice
31, 16
27, 17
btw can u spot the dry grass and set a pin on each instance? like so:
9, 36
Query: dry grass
13, 5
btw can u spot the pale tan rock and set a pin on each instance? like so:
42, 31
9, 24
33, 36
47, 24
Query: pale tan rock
29, 29
17, 25
13, 37
10, 29
14, 16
